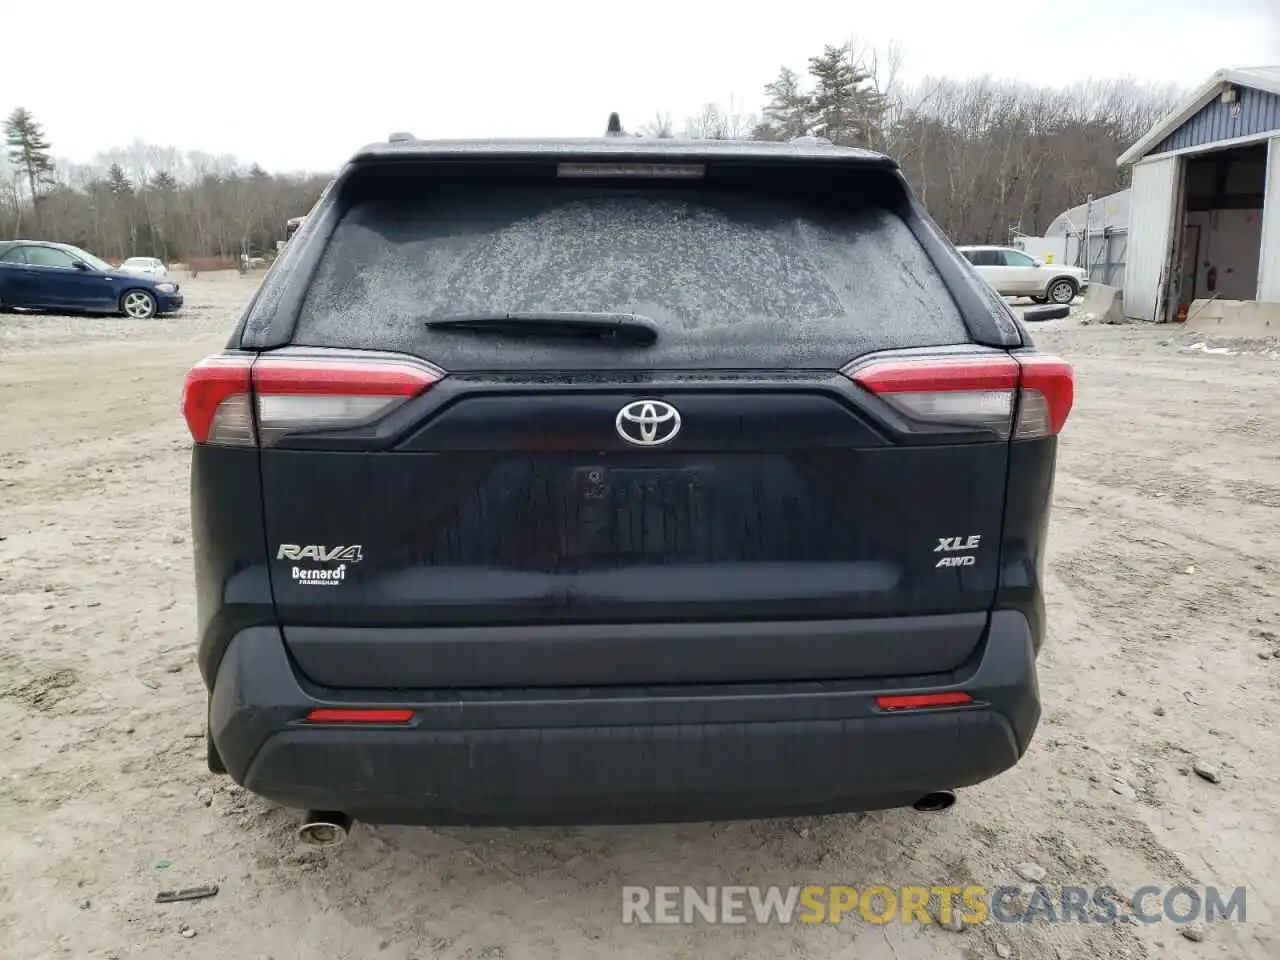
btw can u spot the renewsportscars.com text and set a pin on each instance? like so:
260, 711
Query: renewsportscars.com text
972, 904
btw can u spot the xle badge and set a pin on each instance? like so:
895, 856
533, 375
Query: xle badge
957, 545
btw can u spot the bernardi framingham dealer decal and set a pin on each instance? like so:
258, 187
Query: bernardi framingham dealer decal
314, 553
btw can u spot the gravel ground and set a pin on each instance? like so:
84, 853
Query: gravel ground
1163, 653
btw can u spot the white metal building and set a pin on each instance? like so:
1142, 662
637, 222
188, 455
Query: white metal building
1095, 235
1204, 220
1111, 211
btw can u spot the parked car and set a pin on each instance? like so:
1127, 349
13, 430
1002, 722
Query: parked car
39, 275
1013, 273
145, 266
622, 480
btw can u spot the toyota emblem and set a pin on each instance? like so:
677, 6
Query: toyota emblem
647, 423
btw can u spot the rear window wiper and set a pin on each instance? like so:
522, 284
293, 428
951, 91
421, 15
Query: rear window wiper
626, 328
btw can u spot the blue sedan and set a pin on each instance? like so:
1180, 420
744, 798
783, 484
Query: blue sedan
56, 276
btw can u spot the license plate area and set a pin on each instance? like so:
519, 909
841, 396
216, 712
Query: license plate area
627, 515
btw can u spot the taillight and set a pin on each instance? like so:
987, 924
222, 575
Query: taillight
215, 400
1048, 390
975, 392
243, 400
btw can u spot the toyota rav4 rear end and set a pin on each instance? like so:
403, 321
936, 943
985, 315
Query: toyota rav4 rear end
620, 480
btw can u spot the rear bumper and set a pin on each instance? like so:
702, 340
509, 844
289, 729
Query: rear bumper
622, 754
634, 654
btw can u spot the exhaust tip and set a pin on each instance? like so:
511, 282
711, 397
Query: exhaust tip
324, 828
935, 802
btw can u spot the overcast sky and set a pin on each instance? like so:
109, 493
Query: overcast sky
295, 85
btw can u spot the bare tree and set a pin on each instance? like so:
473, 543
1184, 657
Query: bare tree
661, 126
708, 124
145, 199
721, 121
10, 199
984, 155
739, 122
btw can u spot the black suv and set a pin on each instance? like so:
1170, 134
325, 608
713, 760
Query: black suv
620, 480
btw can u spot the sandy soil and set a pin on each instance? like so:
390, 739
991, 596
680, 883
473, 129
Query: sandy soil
1165, 604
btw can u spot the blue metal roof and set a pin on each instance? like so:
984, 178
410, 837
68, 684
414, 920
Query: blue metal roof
1256, 112
1204, 119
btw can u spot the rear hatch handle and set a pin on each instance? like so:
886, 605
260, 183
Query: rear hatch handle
625, 328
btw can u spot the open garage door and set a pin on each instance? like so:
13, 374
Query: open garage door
1152, 205
1269, 258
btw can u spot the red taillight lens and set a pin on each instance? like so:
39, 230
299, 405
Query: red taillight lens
1048, 391
975, 392
215, 400
353, 715
242, 400
923, 701
978, 392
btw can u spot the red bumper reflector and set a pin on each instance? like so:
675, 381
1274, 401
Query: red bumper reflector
343, 715
920, 701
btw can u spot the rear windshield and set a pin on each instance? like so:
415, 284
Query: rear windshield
733, 277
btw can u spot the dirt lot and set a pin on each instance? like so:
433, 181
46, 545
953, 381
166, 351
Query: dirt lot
1163, 652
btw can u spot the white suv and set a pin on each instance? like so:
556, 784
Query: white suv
145, 266
1012, 273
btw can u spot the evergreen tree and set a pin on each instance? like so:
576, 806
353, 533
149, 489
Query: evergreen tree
164, 181
29, 152
118, 181
844, 111
787, 113
835, 87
